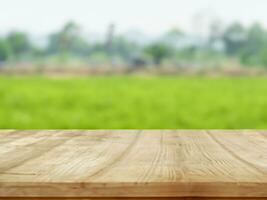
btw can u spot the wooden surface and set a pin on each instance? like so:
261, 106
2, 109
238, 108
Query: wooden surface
149, 164
139, 198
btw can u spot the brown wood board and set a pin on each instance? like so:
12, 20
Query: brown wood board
133, 164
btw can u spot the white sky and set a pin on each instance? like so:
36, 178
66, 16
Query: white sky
151, 16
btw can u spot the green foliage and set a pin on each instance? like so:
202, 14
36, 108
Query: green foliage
234, 38
68, 41
133, 103
158, 52
124, 48
19, 43
255, 46
263, 56
4, 51
175, 47
187, 54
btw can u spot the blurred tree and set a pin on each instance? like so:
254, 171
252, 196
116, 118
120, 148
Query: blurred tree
216, 30
38, 52
174, 38
188, 54
234, 39
125, 48
255, 43
4, 51
68, 41
263, 56
109, 39
158, 52
215, 38
67, 36
19, 44
98, 54
98, 47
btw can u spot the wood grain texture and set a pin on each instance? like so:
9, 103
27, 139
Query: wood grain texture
133, 163
163, 198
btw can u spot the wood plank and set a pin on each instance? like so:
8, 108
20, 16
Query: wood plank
133, 163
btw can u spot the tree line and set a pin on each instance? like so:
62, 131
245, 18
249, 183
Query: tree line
235, 41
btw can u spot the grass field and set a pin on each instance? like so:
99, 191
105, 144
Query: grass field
133, 103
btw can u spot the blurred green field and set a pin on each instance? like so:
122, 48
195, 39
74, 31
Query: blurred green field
132, 103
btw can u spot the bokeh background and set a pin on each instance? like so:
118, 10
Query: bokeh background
134, 64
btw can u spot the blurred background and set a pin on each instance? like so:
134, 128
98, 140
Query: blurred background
133, 64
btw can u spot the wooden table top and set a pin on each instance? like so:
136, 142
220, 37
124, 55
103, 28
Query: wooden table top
133, 163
